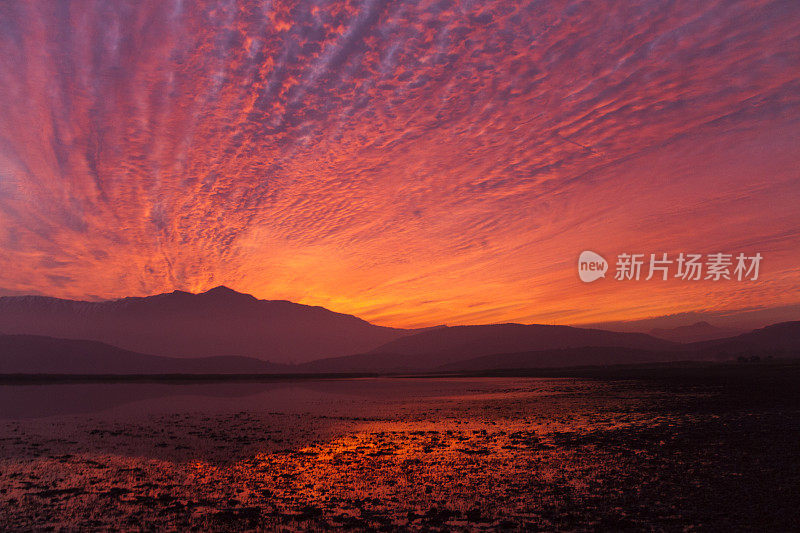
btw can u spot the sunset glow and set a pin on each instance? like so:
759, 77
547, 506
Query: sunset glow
412, 164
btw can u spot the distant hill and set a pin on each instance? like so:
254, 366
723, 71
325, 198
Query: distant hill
31, 354
223, 331
431, 349
699, 331
181, 324
780, 340
565, 357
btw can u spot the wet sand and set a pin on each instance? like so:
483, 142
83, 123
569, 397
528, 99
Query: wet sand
709, 449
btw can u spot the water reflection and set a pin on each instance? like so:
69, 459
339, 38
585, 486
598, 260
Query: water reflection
380, 453
130, 399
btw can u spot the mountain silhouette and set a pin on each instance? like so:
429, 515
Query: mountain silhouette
778, 340
699, 331
431, 349
182, 324
224, 331
782, 339
553, 346
32, 354
565, 357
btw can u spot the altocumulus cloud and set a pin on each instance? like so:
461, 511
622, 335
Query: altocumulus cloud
412, 162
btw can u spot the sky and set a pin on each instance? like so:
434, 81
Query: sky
412, 163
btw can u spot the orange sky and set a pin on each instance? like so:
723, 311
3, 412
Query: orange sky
413, 165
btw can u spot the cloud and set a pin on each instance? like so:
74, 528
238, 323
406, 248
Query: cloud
422, 156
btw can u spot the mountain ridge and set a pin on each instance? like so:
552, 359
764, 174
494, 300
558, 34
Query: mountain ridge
30, 354
36, 354
699, 331
428, 350
183, 324
301, 338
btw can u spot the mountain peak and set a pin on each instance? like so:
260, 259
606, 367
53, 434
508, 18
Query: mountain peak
222, 290
220, 321
699, 331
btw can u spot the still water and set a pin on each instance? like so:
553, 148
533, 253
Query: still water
391, 453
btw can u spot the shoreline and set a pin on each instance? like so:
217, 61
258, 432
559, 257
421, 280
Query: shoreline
784, 368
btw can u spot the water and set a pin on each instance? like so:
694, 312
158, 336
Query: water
461, 453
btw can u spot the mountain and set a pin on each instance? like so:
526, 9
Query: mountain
181, 324
699, 331
565, 357
31, 354
780, 340
448, 349
473, 341
436, 348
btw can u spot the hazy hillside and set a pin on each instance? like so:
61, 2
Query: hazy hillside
782, 340
779, 340
181, 324
590, 356
431, 349
462, 348
472, 341
699, 331
30, 354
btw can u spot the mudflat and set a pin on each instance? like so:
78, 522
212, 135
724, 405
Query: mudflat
714, 447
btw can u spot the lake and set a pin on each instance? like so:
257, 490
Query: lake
400, 453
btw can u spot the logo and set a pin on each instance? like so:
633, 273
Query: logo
591, 266
685, 266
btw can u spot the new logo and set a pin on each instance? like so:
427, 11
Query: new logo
591, 266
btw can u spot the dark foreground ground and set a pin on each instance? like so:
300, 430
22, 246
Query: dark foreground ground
709, 447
